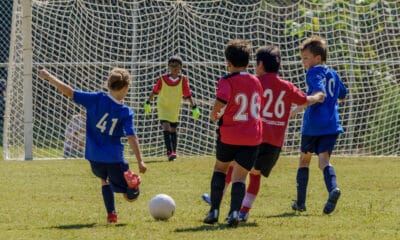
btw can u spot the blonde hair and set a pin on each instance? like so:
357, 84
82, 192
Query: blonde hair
118, 79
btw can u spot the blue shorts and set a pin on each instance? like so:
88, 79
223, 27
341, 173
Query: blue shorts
245, 156
113, 172
267, 157
318, 144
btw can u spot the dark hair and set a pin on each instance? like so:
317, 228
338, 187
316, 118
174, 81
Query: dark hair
271, 58
175, 59
238, 52
118, 79
316, 45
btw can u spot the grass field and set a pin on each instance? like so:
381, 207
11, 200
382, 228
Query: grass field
61, 199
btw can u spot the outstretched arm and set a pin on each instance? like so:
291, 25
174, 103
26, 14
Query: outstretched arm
314, 98
215, 113
53, 80
134, 144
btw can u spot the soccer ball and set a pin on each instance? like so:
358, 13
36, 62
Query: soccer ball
162, 207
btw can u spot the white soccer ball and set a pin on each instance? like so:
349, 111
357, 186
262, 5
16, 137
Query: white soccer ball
162, 207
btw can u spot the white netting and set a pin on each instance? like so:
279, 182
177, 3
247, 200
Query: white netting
80, 41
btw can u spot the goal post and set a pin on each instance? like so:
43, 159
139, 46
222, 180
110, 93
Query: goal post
81, 41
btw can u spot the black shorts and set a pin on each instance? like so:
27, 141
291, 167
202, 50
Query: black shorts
245, 156
267, 157
172, 124
113, 172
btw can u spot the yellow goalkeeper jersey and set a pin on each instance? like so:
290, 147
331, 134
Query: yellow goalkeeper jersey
169, 101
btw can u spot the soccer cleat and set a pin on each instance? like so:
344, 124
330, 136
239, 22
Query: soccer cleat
243, 216
132, 179
171, 155
233, 219
299, 207
206, 198
212, 217
112, 217
332, 200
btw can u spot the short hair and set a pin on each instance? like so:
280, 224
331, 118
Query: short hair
175, 59
238, 52
118, 79
316, 45
271, 58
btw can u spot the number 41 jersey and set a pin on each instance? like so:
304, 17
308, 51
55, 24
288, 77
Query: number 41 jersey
107, 120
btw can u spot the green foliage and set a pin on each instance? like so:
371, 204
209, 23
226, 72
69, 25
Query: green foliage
62, 200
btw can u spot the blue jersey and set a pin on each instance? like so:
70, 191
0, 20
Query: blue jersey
323, 118
107, 120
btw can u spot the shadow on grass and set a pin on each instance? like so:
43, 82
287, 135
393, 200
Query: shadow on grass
81, 226
214, 227
286, 214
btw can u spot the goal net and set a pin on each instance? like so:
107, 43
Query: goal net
81, 41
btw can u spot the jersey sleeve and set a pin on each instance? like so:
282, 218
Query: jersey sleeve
223, 90
297, 96
129, 128
85, 98
343, 91
186, 92
157, 86
315, 78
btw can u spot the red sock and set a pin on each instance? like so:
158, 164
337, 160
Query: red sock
254, 184
251, 193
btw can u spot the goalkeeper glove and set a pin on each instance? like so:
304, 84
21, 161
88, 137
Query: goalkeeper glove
195, 112
147, 108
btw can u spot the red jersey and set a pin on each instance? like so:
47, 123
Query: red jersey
278, 97
240, 123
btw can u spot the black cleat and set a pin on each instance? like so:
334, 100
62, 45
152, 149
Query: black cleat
212, 217
332, 200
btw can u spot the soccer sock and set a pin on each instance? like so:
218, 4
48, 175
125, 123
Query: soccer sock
217, 188
251, 193
302, 181
330, 178
237, 195
174, 140
228, 177
108, 198
167, 140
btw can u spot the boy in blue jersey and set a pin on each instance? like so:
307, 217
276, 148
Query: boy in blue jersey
107, 121
321, 123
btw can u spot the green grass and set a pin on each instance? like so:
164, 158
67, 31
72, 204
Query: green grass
61, 199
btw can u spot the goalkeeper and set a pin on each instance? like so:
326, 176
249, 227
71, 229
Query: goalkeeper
170, 88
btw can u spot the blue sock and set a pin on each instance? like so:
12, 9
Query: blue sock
108, 198
330, 178
237, 195
217, 189
302, 182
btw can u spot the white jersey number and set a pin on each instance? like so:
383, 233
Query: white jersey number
102, 124
279, 108
243, 102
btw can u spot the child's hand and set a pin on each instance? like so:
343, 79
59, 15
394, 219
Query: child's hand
147, 108
142, 167
195, 112
44, 74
